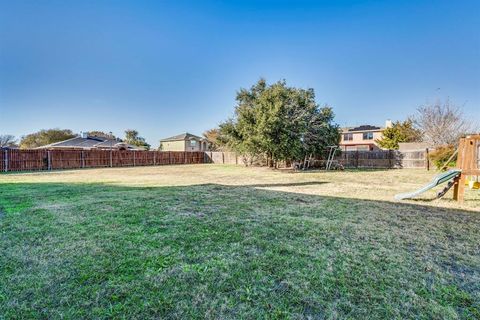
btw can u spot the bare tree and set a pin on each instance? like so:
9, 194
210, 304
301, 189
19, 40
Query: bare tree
7, 140
442, 123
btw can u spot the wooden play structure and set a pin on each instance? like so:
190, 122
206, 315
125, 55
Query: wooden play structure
468, 161
467, 172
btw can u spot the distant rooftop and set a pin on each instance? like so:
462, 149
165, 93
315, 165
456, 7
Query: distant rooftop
365, 127
87, 142
183, 136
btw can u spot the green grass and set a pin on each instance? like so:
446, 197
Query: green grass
224, 242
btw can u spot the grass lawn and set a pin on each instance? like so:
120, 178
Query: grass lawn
211, 241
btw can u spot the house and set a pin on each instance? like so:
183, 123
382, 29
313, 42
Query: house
362, 138
86, 142
184, 142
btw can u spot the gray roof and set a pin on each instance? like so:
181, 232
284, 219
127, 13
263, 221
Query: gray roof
365, 127
87, 143
183, 136
361, 128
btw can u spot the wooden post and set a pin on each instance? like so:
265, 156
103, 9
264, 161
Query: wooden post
82, 155
111, 158
169, 157
223, 157
356, 159
154, 157
185, 157
428, 159
49, 160
459, 188
134, 158
6, 160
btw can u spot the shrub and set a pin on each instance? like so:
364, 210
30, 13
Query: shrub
441, 155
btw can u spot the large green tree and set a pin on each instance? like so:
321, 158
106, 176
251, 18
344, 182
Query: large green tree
399, 132
44, 137
280, 122
132, 137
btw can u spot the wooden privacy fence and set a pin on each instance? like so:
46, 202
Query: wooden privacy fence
223, 157
381, 159
384, 159
30, 160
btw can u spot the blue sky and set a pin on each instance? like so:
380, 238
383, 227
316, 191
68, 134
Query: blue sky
165, 67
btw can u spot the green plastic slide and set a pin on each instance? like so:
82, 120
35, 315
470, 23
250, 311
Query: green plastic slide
439, 179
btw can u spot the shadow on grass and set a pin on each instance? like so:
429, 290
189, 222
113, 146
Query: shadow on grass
314, 170
96, 251
290, 184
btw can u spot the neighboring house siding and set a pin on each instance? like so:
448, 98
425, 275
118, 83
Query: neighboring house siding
194, 145
173, 145
181, 145
184, 142
359, 142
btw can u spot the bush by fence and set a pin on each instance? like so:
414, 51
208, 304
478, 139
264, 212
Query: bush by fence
31, 160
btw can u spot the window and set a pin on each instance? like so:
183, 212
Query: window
368, 136
348, 137
193, 143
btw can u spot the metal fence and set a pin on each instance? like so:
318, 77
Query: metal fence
31, 160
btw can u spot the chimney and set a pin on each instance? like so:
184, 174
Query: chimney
84, 135
388, 123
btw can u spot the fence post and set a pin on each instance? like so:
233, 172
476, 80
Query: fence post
356, 159
223, 157
134, 158
49, 160
111, 158
154, 158
83, 158
427, 158
6, 159
390, 155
